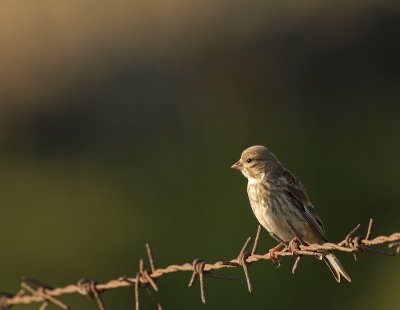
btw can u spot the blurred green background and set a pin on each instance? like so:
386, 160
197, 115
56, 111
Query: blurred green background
119, 122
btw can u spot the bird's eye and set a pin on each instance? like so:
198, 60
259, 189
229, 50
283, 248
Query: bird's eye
249, 160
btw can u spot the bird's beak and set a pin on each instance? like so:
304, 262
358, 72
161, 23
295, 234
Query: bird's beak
238, 165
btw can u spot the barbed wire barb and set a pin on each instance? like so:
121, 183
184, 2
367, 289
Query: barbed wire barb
150, 257
198, 271
369, 230
256, 240
242, 261
41, 291
137, 282
88, 288
34, 291
296, 264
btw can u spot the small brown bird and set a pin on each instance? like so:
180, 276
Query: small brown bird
278, 198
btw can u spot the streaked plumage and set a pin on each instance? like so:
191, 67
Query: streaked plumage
276, 196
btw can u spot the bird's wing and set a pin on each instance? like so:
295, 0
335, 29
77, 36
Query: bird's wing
301, 201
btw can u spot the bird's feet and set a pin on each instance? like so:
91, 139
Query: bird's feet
294, 245
272, 254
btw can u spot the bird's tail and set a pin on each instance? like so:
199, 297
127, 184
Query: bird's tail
336, 267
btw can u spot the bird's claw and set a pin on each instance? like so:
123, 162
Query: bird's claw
273, 257
294, 245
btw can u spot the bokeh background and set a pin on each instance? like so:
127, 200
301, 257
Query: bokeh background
119, 122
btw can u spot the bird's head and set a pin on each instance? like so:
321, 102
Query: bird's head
255, 162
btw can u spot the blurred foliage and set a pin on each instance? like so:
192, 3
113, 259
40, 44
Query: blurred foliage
119, 123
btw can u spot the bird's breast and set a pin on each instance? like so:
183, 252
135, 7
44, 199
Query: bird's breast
259, 195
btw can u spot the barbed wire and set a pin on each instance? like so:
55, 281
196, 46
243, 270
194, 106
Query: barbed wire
34, 291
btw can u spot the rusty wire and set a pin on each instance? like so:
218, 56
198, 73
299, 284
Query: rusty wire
34, 291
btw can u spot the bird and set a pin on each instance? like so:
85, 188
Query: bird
278, 199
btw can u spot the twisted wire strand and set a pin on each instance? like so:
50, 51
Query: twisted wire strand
147, 278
